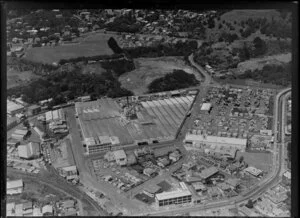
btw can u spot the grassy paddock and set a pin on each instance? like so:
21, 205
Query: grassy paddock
89, 46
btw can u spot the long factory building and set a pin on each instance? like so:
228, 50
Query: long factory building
194, 141
104, 127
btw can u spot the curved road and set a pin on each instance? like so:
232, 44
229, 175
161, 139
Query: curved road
60, 184
257, 189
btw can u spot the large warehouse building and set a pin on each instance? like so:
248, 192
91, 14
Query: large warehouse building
13, 108
193, 140
104, 127
174, 197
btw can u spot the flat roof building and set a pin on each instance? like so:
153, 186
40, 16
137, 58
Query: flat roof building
253, 171
14, 187
31, 150
152, 189
11, 122
174, 197
47, 209
191, 140
158, 121
13, 108
208, 172
33, 109
55, 115
120, 157
206, 107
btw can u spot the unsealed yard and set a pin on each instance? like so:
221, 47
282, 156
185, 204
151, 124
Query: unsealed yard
260, 160
149, 69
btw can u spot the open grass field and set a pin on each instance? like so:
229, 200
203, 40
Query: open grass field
16, 78
262, 161
95, 44
149, 69
259, 63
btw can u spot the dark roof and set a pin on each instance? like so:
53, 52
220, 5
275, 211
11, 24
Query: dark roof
34, 107
152, 188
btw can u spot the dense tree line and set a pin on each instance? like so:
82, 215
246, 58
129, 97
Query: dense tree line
178, 49
270, 73
91, 58
64, 86
228, 37
179, 79
125, 23
112, 43
276, 28
25, 65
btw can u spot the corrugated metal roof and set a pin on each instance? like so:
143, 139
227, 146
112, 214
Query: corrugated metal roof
216, 139
14, 184
173, 194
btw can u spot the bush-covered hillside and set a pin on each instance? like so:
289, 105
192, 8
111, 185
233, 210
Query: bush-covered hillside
68, 85
179, 79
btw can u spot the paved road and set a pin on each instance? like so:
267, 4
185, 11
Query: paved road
60, 184
273, 177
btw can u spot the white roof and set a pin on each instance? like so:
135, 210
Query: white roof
21, 131
70, 168
23, 151
206, 106
114, 140
173, 194
104, 139
14, 184
12, 106
47, 209
287, 174
216, 139
119, 154
253, 170
10, 206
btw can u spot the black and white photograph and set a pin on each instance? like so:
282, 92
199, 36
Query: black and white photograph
141, 111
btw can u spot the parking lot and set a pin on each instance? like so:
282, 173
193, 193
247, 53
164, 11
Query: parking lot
236, 112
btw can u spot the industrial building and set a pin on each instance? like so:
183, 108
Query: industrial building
19, 134
69, 172
206, 108
13, 108
151, 190
84, 98
11, 122
14, 187
174, 197
208, 172
192, 141
29, 151
44, 102
33, 110
120, 157
253, 171
156, 121
56, 115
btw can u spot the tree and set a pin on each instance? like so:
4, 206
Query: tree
250, 204
260, 46
112, 43
241, 159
